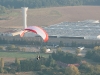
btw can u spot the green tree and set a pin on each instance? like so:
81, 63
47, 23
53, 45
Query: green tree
12, 48
17, 63
96, 69
72, 70
17, 48
50, 62
37, 65
86, 68
2, 9
89, 54
43, 49
61, 44
65, 57
46, 3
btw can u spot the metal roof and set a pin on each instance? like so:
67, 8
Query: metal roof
87, 29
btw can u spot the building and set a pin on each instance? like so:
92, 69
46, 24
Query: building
88, 29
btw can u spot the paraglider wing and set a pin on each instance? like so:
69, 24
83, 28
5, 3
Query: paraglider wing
22, 33
37, 30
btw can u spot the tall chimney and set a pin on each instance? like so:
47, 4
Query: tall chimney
24, 12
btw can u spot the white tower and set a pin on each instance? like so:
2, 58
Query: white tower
24, 12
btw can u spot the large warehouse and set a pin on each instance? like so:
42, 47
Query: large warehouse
88, 29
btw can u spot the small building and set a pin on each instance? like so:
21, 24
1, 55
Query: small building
48, 50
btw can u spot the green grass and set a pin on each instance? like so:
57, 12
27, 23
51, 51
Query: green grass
22, 54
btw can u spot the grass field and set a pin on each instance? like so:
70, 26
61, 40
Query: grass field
21, 54
10, 56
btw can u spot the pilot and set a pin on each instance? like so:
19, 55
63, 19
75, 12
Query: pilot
38, 57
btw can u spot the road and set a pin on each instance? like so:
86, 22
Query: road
73, 49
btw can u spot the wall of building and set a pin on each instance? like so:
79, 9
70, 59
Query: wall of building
55, 41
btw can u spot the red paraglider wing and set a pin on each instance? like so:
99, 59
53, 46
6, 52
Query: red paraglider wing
36, 30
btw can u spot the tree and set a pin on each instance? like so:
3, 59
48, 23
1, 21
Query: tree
50, 62
61, 44
96, 69
1, 65
89, 54
17, 61
72, 70
2, 9
46, 3
59, 50
23, 49
1, 48
96, 48
43, 49
77, 51
12, 48
86, 68
65, 57
37, 65
17, 64
1, 70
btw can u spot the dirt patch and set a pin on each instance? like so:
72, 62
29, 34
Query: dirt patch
10, 60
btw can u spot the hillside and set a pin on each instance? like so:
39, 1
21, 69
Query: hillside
53, 15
